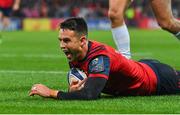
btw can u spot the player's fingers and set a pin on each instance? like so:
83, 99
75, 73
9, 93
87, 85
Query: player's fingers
74, 83
34, 88
82, 82
32, 93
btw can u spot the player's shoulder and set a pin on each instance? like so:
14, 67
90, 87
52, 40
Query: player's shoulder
96, 47
93, 44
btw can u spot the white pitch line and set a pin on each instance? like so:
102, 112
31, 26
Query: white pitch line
0, 40
142, 54
7, 55
32, 72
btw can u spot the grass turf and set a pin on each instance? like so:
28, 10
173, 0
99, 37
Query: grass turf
27, 58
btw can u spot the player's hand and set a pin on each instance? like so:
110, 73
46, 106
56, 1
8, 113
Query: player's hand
42, 90
15, 7
77, 85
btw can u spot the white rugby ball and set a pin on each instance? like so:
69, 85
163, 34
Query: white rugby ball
75, 74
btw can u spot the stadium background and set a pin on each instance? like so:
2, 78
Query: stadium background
45, 14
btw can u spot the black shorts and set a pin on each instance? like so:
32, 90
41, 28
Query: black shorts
168, 79
6, 11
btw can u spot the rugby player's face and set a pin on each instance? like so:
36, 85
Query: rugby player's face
70, 44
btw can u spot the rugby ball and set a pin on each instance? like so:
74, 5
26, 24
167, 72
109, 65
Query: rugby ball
75, 74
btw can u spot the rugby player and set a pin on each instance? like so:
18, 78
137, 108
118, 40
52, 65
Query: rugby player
107, 69
163, 13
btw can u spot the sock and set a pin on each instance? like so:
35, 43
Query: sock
122, 40
178, 35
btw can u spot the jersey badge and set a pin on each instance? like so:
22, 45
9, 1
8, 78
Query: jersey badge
97, 65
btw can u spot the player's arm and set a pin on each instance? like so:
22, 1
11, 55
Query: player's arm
16, 5
91, 90
99, 72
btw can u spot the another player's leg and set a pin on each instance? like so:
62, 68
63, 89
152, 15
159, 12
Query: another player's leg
119, 29
163, 12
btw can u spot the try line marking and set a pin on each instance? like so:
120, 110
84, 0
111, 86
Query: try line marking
32, 72
8, 55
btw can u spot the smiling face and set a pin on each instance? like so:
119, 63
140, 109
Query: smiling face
73, 45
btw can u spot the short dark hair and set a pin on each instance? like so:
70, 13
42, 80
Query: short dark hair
76, 24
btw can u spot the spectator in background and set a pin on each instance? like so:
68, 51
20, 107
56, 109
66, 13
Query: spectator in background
93, 9
44, 9
31, 8
6, 9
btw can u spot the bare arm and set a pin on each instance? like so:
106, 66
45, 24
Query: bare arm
16, 5
92, 87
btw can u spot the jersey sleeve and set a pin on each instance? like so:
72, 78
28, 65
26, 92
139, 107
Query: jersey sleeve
91, 90
99, 67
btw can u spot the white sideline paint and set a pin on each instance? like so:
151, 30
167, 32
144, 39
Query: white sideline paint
142, 54
8, 55
0, 41
32, 72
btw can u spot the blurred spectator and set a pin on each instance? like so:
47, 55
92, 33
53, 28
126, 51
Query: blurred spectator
31, 8
7, 7
84, 8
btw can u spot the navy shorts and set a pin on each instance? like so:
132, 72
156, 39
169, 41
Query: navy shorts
168, 78
6, 11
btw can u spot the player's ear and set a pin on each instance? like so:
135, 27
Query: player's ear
83, 40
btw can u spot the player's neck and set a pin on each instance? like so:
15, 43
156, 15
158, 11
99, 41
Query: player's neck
84, 51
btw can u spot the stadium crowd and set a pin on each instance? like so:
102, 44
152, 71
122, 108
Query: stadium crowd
88, 9
84, 8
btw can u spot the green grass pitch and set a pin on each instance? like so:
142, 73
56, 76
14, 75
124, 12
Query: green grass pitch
27, 58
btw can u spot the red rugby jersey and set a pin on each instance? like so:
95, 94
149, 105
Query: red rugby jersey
6, 3
126, 77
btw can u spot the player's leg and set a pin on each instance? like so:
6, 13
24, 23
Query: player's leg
163, 12
119, 29
168, 78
